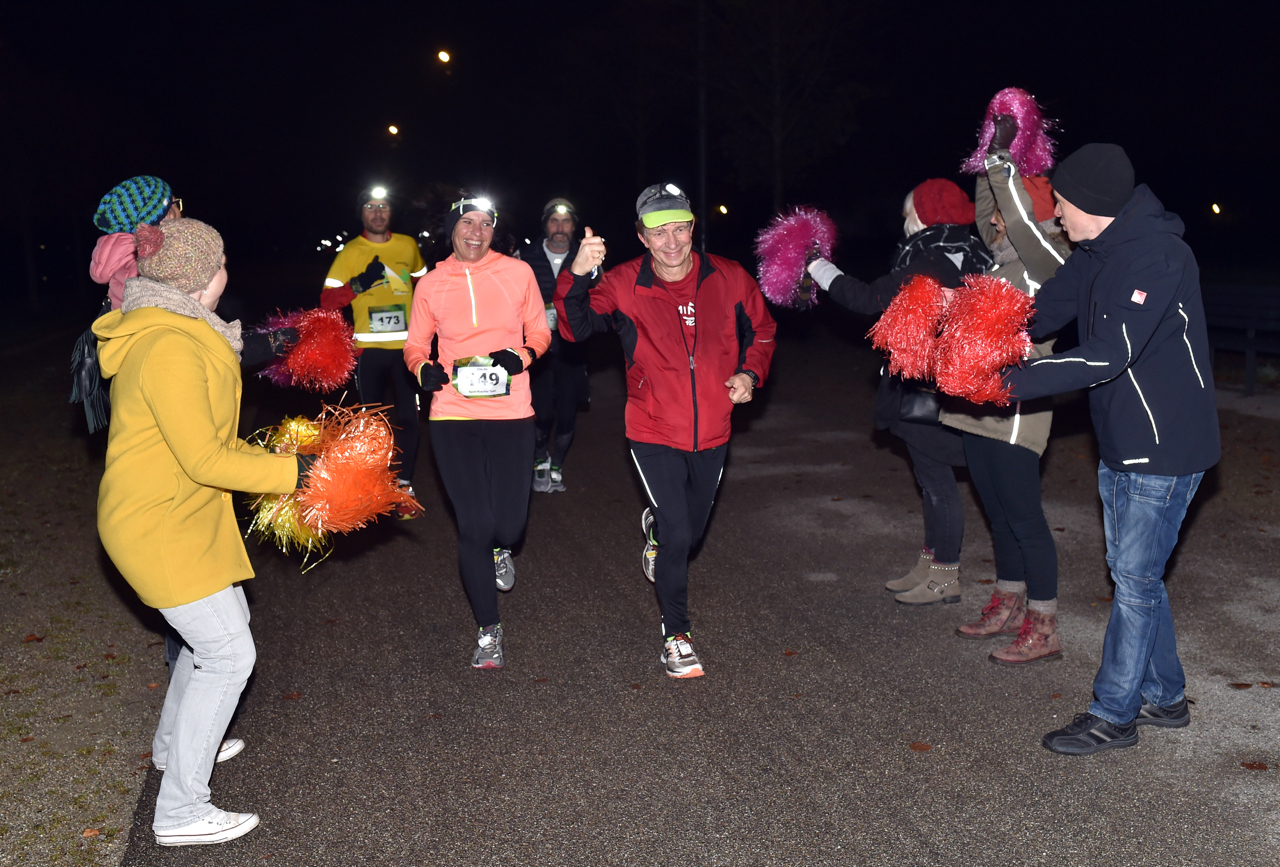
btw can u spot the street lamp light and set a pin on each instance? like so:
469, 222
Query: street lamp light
444, 56
393, 129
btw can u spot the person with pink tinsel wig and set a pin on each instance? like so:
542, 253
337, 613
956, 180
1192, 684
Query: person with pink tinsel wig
1003, 445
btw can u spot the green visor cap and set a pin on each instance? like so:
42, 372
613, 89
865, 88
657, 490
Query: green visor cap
661, 218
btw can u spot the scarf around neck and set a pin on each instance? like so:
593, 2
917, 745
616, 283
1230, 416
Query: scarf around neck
142, 292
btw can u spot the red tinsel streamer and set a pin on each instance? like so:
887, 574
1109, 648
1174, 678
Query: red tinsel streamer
323, 356
783, 247
908, 327
984, 330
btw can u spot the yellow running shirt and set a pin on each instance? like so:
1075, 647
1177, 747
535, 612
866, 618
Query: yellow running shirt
382, 312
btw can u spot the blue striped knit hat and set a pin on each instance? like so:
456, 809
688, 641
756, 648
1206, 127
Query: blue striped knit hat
144, 199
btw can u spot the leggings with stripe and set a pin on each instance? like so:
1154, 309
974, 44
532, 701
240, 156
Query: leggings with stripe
681, 487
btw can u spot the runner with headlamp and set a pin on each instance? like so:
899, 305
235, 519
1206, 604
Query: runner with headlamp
487, 313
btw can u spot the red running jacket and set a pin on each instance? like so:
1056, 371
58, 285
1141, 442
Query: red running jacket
675, 395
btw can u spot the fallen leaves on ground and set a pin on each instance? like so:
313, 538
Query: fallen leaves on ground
152, 685
1240, 685
790, 652
1254, 766
921, 746
32, 637
90, 832
27, 739
292, 696
1266, 684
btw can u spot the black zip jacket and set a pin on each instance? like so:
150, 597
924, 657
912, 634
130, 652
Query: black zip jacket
1144, 351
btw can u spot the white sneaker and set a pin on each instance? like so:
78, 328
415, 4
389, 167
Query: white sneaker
230, 748
217, 827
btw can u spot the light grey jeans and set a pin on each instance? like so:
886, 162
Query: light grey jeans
207, 682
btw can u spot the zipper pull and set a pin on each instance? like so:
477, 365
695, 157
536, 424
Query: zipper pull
691, 365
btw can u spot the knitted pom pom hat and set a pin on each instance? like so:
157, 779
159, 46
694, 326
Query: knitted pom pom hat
182, 253
939, 200
144, 199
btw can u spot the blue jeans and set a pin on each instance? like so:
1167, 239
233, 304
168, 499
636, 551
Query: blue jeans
1141, 515
211, 672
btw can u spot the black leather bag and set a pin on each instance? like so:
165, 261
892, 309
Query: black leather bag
919, 403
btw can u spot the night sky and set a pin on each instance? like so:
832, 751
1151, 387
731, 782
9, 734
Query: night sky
267, 119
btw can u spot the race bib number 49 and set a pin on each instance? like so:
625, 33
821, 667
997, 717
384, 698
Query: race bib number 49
478, 376
390, 318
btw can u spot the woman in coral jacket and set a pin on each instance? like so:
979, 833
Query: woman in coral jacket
164, 507
488, 314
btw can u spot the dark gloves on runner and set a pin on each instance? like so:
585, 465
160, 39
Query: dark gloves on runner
1006, 130
509, 360
431, 376
371, 275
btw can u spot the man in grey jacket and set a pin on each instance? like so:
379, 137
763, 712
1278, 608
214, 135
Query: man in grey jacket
1133, 287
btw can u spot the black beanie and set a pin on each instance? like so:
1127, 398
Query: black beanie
1097, 179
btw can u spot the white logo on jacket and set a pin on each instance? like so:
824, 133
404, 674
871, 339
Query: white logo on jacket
686, 310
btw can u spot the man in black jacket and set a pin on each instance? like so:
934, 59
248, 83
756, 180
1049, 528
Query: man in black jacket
1134, 288
558, 380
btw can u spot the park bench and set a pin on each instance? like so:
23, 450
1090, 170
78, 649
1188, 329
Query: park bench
1243, 319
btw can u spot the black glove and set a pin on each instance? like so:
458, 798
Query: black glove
509, 360
1006, 129
431, 377
305, 463
371, 275
282, 339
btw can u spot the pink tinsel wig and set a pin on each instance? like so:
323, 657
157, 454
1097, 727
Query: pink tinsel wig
1032, 149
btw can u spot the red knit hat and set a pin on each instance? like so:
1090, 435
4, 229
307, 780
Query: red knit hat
938, 200
1041, 193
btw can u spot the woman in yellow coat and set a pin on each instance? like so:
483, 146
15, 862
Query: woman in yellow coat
164, 508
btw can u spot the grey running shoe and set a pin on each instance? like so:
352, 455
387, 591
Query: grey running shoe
503, 569
650, 544
1175, 716
679, 658
1088, 734
555, 481
489, 650
542, 475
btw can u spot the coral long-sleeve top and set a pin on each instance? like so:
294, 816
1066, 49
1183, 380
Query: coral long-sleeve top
475, 309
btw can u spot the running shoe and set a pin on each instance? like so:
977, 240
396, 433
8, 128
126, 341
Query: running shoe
407, 511
504, 569
542, 475
679, 658
650, 544
489, 648
555, 481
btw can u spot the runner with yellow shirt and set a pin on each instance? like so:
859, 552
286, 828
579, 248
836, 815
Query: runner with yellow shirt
375, 274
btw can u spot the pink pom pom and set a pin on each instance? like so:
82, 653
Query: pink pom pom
148, 240
784, 246
984, 330
1031, 149
908, 328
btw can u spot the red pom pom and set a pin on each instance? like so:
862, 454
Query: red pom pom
323, 356
909, 327
984, 330
148, 239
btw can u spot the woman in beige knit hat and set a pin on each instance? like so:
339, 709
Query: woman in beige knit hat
164, 507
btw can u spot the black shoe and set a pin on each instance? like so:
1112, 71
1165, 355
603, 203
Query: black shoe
1175, 716
1088, 734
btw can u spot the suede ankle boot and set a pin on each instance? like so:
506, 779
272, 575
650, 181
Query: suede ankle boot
917, 576
942, 585
1003, 615
1037, 641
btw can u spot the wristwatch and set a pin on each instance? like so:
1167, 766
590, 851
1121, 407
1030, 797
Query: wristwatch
755, 380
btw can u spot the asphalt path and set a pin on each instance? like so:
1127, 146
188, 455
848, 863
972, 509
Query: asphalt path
833, 726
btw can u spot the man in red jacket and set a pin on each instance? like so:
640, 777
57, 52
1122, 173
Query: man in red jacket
698, 339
